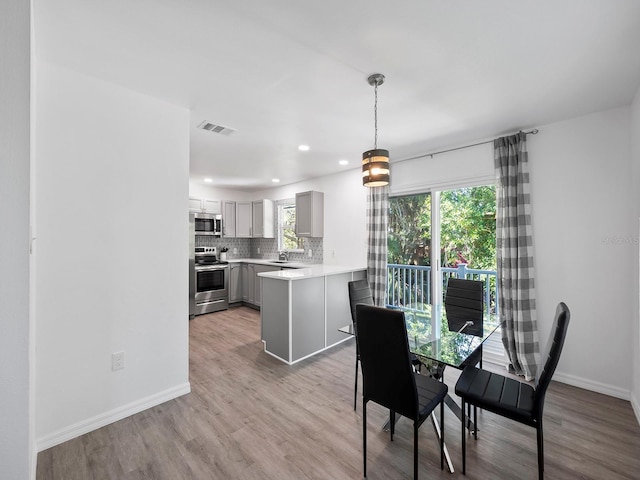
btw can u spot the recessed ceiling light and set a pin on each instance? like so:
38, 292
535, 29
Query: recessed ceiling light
275, 180
303, 148
208, 180
344, 162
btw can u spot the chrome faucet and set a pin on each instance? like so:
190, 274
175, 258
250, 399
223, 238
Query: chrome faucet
283, 256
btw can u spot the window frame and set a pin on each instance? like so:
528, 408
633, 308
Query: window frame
282, 226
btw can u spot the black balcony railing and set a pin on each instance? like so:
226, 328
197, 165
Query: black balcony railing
409, 286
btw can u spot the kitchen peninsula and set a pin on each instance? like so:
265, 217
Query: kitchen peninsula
303, 309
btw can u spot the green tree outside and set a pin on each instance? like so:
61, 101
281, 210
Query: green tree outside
467, 227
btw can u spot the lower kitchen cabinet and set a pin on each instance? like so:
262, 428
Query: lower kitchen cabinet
248, 285
301, 314
248, 281
257, 295
235, 282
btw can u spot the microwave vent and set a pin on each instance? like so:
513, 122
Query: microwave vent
212, 127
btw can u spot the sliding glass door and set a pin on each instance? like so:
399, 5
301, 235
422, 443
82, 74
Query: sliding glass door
437, 235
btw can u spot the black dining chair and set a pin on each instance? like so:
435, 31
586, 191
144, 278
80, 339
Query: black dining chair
464, 306
510, 398
360, 293
388, 376
464, 303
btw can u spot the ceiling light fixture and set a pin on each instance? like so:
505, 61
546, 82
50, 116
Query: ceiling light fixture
303, 148
344, 162
208, 180
275, 180
375, 163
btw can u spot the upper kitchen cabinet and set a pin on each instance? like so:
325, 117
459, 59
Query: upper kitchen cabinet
243, 219
310, 214
205, 205
228, 219
263, 219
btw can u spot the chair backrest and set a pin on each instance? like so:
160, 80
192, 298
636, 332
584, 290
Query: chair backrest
359, 292
463, 302
551, 356
387, 375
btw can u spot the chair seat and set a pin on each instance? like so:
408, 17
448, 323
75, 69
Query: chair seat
497, 394
430, 393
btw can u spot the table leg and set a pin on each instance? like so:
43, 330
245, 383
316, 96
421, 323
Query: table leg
447, 457
453, 406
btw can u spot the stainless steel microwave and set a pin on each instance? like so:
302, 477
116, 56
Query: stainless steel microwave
207, 224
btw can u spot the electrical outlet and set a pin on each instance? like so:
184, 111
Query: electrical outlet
117, 361
235, 251
258, 250
310, 253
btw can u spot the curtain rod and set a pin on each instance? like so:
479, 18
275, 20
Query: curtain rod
532, 132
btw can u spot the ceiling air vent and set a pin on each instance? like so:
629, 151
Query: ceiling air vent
212, 127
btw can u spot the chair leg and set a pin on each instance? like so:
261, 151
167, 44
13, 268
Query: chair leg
464, 444
364, 436
475, 422
392, 423
415, 450
355, 390
442, 435
540, 451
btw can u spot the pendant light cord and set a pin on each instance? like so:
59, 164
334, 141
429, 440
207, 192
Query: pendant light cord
375, 117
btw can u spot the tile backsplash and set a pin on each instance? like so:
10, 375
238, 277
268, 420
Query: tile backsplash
242, 246
269, 249
248, 248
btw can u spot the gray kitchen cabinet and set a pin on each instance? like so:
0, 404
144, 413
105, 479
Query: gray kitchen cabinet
310, 214
248, 281
243, 219
262, 219
228, 219
257, 294
205, 205
301, 314
235, 282
195, 205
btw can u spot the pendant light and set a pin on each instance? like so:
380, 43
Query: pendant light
375, 163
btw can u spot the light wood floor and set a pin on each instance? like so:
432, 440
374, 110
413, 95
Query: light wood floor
249, 416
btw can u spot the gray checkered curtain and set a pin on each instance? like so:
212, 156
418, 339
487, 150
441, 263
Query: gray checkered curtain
516, 285
377, 215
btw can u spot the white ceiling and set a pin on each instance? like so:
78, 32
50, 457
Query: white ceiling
285, 72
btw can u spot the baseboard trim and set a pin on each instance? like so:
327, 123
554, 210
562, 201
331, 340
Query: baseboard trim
592, 385
580, 382
636, 407
98, 421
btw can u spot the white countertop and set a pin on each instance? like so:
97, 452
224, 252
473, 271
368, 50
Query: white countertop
272, 262
310, 272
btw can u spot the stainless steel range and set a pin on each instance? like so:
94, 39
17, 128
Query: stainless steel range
211, 281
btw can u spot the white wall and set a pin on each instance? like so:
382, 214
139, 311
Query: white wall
17, 454
580, 179
345, 202
635, 222
111, 252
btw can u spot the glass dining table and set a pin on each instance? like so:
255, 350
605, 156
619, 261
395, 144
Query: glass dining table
436, 346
